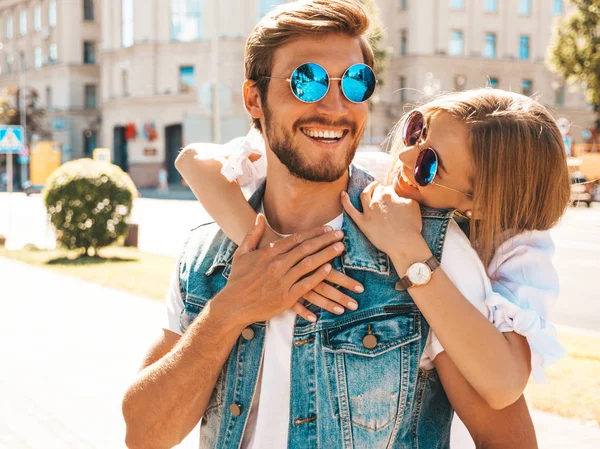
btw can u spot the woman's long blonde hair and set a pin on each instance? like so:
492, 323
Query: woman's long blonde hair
520, 177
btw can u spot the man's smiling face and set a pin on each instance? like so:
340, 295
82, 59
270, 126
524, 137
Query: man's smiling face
315, 141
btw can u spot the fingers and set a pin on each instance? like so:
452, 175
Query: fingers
312, 262
304, 312
302, 254
350, 209
367, 194
302, 287
253, 237
338, 278
330, 298
288, 243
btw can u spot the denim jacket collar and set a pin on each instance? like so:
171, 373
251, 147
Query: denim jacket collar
360, 253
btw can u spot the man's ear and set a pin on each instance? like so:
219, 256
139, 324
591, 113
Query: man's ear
252, 101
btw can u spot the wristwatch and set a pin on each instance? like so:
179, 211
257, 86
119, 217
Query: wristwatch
418, 274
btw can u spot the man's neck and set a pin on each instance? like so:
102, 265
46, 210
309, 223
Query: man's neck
293, 205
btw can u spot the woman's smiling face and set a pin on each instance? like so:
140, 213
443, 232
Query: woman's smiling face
449, 138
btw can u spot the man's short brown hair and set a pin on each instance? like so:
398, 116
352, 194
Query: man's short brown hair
298, 19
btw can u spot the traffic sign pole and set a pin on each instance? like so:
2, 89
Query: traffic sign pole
9, 172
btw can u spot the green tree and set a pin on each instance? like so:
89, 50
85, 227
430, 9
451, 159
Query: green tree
574, 52
10, 114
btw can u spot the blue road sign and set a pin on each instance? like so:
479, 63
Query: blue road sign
11, 139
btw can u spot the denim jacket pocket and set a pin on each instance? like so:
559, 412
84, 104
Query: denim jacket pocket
369, 364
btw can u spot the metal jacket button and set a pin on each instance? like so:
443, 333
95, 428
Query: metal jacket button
248, 334
235, 409
369, 340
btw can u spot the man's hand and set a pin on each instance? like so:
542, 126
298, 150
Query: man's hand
265, 282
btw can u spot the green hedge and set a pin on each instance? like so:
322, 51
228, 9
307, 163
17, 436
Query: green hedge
89, 203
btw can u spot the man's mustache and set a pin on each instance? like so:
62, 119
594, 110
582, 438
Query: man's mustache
342, 123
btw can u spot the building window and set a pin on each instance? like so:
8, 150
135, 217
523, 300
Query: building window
89, 52
187, 80
23, 22
489, 48
559, 96
91, 100
402, 89
524, 47
186, 20
403, 4
9, 27
52, 54
124, 83
48, 97
493, 82
88, 9
525, 7
491, 6
456, 43
268, 5
527, 87
403, 42
37, 58
557, 7
37, 18
9, 63
457, 4
52, 13
126, 23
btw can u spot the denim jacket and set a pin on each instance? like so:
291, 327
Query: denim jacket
347, 391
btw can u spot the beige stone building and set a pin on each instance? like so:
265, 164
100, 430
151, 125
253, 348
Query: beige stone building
137, 76
57, 43
446, 45
157, 77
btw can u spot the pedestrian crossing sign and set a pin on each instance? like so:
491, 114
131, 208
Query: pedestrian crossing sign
11, 139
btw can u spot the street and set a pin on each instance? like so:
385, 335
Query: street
71, 348
164, 224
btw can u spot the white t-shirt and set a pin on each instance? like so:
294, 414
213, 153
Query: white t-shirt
526, 286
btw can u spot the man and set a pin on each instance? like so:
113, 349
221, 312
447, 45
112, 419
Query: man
235, 355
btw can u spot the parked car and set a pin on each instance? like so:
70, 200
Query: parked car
583, 191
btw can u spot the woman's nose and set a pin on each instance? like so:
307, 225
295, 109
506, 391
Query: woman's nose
408, 156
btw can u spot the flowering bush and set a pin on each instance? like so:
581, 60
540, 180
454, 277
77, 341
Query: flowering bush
89, 203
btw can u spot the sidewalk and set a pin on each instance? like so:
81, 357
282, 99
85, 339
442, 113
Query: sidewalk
70, 348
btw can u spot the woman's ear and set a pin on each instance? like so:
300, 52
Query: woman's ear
252, 101
468, 208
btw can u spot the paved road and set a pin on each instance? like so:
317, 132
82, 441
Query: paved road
164, 225
70, 348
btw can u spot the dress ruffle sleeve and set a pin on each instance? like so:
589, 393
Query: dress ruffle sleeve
243, 159
525, 286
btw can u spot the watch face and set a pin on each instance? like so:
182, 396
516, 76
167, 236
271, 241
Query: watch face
419, 273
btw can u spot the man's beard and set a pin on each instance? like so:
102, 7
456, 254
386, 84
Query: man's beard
289, 154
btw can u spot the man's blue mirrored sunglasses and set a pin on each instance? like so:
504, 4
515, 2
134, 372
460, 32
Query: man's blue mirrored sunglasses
310, 82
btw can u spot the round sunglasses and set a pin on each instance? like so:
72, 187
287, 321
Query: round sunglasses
310, 82
426, 165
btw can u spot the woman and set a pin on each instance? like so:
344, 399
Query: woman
497, 157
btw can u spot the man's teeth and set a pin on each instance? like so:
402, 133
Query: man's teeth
323, 134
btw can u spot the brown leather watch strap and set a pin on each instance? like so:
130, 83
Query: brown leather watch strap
405, 283
432, 263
